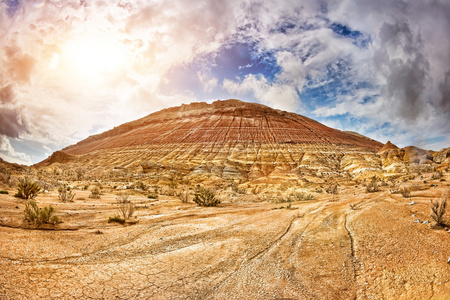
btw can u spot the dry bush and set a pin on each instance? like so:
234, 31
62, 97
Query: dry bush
205, 197
300, 197
335, 198
353, 206
332, 189
395, 189
27, 188
95, 193
436, 175
5, 176
65, 194
126, 207
438, 207
184, 196
406, 192
373, 186
38, 216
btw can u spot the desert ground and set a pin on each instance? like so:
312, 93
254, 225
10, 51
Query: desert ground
353, 245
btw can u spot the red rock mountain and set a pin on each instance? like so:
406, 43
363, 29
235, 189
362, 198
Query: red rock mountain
228, 139
230, 121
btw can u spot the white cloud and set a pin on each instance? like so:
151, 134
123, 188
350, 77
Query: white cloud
207, 80
274, 95
9, 152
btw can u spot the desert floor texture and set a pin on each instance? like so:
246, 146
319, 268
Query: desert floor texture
381, 247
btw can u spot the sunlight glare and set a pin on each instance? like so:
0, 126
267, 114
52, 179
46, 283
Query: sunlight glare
94, 55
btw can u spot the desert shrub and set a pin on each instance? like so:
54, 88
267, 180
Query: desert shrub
318, 190
300, 197
373, 186
140, 185
65, 193
184, 196
27, 188
79, 173
152, 196
353, 206
5, 176
4, 192
95, 193
332, 189
205, 197
334, 198
116, 219
438, 207
436, 175
406, 192
38, 216
126, 207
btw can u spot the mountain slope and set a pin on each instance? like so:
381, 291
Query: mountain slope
227, 139
221, 121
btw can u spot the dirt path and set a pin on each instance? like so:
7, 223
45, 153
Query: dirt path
320, 250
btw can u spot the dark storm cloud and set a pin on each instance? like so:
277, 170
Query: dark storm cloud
407, 76
444, 100
12, 123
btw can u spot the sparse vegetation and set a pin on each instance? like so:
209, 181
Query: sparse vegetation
4, 192
373, 186
406, 192
332, 189
27, 189
436, 175
126, 207
38, 216
116, 219
65, 193
205, 197
300, 197
95, 193
184, 196
438, 208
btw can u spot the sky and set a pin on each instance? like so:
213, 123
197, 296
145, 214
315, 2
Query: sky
71, 69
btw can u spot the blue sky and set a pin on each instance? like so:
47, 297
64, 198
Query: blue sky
75, 68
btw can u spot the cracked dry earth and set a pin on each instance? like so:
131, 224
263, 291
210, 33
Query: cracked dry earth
319, 250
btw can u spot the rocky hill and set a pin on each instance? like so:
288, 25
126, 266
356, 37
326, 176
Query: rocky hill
234, 140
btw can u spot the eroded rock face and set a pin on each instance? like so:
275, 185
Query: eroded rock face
234, 140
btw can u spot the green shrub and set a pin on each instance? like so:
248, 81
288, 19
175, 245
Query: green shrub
4, 192
205, 197
38, 216
27, 189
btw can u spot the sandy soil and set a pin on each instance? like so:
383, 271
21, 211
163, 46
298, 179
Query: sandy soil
317, 250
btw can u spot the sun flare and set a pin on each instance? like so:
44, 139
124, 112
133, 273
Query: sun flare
94, 55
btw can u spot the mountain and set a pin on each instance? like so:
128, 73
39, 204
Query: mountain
236, 140
228, 139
